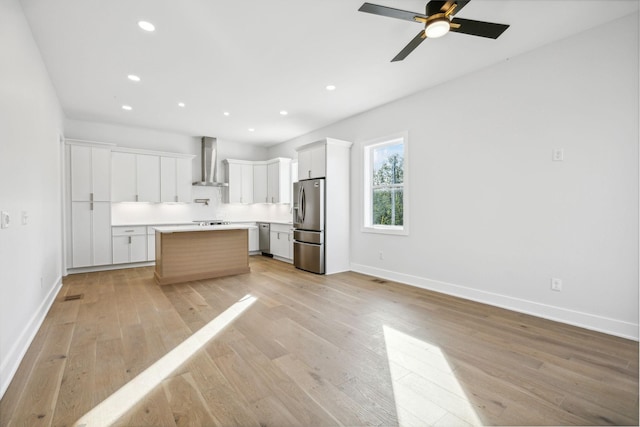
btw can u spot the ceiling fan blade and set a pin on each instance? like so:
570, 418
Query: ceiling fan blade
390, 12
409, 48
478, 28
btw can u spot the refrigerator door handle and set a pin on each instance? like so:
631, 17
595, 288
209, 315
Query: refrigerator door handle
302, 204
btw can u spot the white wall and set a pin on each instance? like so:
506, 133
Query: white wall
492, 217
30, 177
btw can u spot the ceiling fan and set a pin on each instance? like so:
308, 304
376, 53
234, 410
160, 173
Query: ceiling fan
438, 21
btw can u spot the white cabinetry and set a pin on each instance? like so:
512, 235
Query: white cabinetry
175, 179
90, 207
335, 158
135, 177
279, 181
90, 234
239, 175
260, 176
281, 241
90, 172
312, 161
129, 244
258, 181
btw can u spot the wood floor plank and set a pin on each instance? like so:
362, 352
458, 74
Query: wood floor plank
345, 349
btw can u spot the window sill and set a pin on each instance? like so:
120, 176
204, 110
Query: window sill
398, 231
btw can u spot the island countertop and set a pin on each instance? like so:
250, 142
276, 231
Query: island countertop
182, 229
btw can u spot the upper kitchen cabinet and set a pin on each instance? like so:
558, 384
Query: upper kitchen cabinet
175, 179
258, 181
260, 176
279, 180
239, 175
90, 172
135, 177
312, 161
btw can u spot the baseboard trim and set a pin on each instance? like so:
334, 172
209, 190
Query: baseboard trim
593, 322
10, 365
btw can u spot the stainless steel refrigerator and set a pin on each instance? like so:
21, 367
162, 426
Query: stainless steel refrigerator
308, 225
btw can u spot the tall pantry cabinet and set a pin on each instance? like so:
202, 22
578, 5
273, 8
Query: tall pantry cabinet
89, 192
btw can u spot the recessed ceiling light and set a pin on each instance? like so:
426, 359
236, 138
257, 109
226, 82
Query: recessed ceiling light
133, 78
283, 113
127, 107
226, 113
251, 129
181, 104
147, 26
331, 87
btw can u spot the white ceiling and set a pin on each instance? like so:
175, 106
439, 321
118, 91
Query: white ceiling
255, 58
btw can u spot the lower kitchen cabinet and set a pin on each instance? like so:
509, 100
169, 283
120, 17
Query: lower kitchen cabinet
254, 240
129, 244
281, 242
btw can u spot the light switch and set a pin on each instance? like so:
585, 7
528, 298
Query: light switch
4, 219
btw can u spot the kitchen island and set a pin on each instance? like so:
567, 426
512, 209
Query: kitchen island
201, 252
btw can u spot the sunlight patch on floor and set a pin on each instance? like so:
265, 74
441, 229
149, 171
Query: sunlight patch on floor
425, 388
116, 405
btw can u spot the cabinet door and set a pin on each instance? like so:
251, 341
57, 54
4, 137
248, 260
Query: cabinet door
254, 240
148, 177
304, 164
80, 173
168, 183
273, 182
101, 174
101, 233
280, 244
318, 162
247, 184
235, 182
123, 177
151, 247
120, 249
80, 234
183, 180
138, 248
260, 183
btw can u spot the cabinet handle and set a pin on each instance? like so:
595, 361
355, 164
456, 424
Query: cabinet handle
129, 239
272, 199
91, 197
176, 198
91, 206
309, 173
129, 231
136, 197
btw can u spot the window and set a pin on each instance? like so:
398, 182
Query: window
385, 188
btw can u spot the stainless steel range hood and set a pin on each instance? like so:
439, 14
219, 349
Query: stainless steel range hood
209, 162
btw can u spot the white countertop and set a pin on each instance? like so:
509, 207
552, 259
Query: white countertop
183, 228
187, 223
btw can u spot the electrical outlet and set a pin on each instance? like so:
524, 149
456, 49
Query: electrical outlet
556, 284
557, 155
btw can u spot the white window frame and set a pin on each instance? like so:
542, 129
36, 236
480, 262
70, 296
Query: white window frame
367, 217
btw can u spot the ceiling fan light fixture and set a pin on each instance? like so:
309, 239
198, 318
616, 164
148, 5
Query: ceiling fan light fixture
437, 27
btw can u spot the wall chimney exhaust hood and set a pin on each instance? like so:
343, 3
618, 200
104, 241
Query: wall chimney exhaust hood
209, 163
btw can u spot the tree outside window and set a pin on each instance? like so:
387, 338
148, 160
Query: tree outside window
385, 187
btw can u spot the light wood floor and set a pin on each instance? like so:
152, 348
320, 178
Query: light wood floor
346, 349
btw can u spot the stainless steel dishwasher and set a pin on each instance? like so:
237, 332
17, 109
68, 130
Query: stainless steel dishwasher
264, 229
